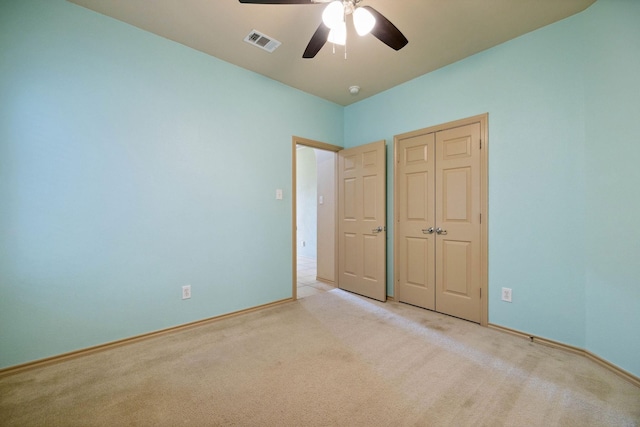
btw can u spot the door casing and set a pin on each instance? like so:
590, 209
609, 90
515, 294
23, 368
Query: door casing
484, 140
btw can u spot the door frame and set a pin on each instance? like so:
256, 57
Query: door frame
295, 141
483, 119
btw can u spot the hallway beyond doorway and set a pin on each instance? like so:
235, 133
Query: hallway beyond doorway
307, 278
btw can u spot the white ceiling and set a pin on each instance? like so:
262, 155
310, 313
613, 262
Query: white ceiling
440, 32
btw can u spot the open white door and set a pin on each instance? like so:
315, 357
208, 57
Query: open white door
362, 233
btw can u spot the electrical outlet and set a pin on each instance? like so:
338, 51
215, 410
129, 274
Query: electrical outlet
506, 294
186, 292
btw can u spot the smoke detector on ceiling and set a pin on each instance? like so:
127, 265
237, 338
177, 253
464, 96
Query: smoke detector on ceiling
262, 41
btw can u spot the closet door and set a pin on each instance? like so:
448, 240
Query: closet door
415, 220
439, 240
458, 231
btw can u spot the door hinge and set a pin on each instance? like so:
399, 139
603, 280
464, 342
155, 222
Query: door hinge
480, 293
480, 218
481, 144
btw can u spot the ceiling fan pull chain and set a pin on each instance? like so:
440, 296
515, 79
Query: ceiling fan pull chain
345, 39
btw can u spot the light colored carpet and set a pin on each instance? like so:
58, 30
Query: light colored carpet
333, 359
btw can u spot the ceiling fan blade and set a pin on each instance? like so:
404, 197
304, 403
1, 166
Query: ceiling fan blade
278, 1
386, 32
318, 40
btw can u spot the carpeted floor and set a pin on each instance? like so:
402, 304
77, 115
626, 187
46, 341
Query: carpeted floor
333, 359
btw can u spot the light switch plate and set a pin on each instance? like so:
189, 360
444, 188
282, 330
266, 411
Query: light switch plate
279, 194
506, 294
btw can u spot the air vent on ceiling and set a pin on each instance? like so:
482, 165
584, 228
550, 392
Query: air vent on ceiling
262, 41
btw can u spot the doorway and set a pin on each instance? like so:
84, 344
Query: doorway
440, 215
314, 216
351, 227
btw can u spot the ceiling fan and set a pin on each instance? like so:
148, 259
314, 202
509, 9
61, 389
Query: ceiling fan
333, 26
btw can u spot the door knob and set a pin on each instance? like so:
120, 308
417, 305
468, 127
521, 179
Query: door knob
441, 231
377, 230
429, 230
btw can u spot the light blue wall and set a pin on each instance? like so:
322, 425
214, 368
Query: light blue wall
564, 203
613, 182
129, 166
530, 89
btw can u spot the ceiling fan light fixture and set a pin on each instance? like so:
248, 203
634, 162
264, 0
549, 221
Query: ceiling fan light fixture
338, 35
364, 21
333, 14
